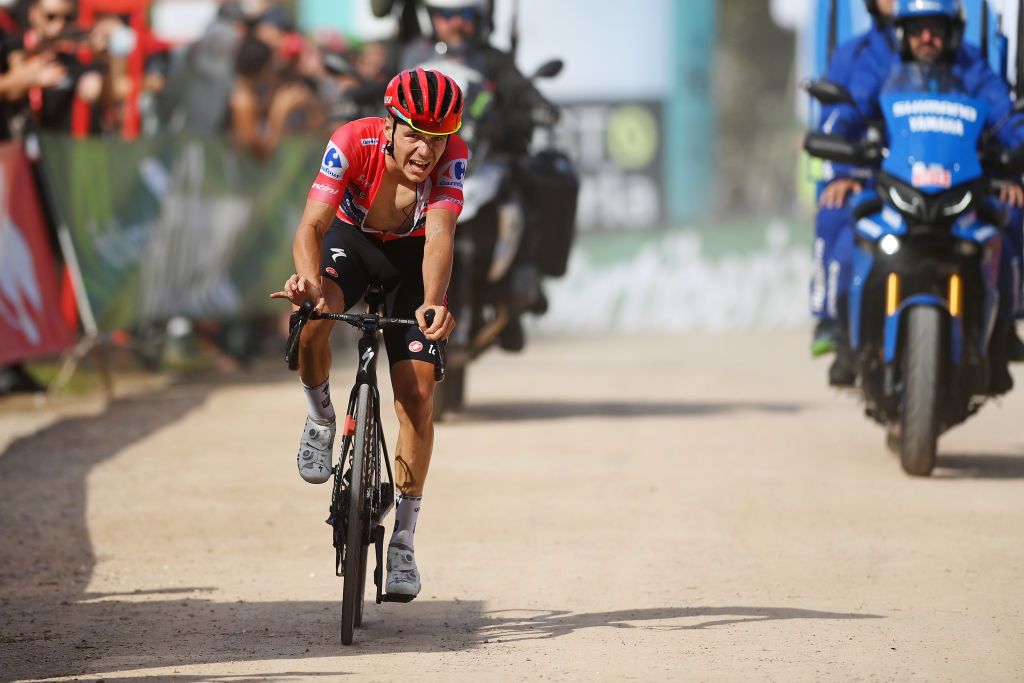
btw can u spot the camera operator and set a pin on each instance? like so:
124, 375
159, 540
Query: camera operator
50, 45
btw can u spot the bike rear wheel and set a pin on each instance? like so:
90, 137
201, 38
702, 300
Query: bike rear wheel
358, 517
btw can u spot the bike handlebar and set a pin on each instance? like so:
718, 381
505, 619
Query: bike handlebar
368, 322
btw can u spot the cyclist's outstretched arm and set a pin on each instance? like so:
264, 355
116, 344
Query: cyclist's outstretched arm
309, 238
437, 271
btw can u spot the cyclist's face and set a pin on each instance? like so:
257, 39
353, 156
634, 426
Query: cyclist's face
415, 153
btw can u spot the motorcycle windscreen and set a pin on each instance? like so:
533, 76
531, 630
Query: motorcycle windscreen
933, 128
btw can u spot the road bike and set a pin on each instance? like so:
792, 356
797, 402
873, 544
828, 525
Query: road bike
360, 498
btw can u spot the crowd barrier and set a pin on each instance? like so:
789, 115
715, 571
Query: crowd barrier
169, 226
31, 324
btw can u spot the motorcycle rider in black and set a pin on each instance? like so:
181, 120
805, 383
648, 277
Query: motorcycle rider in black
459, 33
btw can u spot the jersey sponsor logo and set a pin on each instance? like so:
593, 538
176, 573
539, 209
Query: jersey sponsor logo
325, 188
336, 252
415, 346
355, 212
366, 142
455, 170
453, 200
331, 271
453, 173
334, 164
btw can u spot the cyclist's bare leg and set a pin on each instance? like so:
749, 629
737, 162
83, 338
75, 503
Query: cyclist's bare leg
315, 343
316, 446
413, 383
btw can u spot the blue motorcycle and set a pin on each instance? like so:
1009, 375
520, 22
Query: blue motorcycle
923, 299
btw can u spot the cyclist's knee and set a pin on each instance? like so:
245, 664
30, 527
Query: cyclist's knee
415, 400
316, 334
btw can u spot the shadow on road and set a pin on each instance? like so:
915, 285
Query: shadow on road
48, 558
105, 636
556, 410
979, 467
552, 624
43, 488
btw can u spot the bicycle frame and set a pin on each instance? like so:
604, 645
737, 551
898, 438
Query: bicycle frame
381, 494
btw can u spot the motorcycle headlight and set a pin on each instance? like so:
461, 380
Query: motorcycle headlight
906, 200
889, 245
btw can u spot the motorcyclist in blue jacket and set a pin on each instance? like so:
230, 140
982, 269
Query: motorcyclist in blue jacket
833, 242
930, 32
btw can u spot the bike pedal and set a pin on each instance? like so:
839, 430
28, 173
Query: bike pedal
395, 597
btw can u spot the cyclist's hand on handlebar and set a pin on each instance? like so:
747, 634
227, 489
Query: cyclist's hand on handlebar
298, 290
1012, 195
442, 325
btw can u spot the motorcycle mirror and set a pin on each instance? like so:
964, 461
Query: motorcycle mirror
549, 69
838, 148
828, 92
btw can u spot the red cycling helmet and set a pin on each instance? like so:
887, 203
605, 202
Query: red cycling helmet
427, 100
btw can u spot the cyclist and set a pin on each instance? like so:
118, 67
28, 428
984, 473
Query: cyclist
833, 239
930, 33
382, 210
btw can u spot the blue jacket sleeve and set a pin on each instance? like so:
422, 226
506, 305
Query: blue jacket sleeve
872, 60
983, 83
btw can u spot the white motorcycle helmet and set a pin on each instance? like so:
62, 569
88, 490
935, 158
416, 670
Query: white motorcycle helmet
454, 4
481, 7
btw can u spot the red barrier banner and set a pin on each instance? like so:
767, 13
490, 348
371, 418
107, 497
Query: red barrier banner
30, 312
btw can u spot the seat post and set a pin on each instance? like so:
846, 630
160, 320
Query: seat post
374, 298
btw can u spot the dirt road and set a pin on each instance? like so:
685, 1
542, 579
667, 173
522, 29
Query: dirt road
695, 507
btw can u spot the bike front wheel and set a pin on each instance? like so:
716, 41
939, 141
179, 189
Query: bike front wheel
922, 390
358, 517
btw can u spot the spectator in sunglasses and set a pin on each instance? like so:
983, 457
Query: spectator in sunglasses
52, 36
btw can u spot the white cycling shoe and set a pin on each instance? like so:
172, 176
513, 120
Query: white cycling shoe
314, 459
403, 576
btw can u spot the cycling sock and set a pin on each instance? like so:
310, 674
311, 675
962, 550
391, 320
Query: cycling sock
407, 511
319, 399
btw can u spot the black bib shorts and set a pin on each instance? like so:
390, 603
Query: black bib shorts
354, 261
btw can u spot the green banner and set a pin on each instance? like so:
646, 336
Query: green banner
170, 226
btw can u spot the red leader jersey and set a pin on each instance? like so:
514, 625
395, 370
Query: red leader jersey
353, 166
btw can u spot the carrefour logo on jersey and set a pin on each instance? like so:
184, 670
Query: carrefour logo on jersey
453, 173
334, 164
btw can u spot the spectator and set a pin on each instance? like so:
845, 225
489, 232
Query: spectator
52, 37
112, 41
263, 108
40, 70
202, 77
